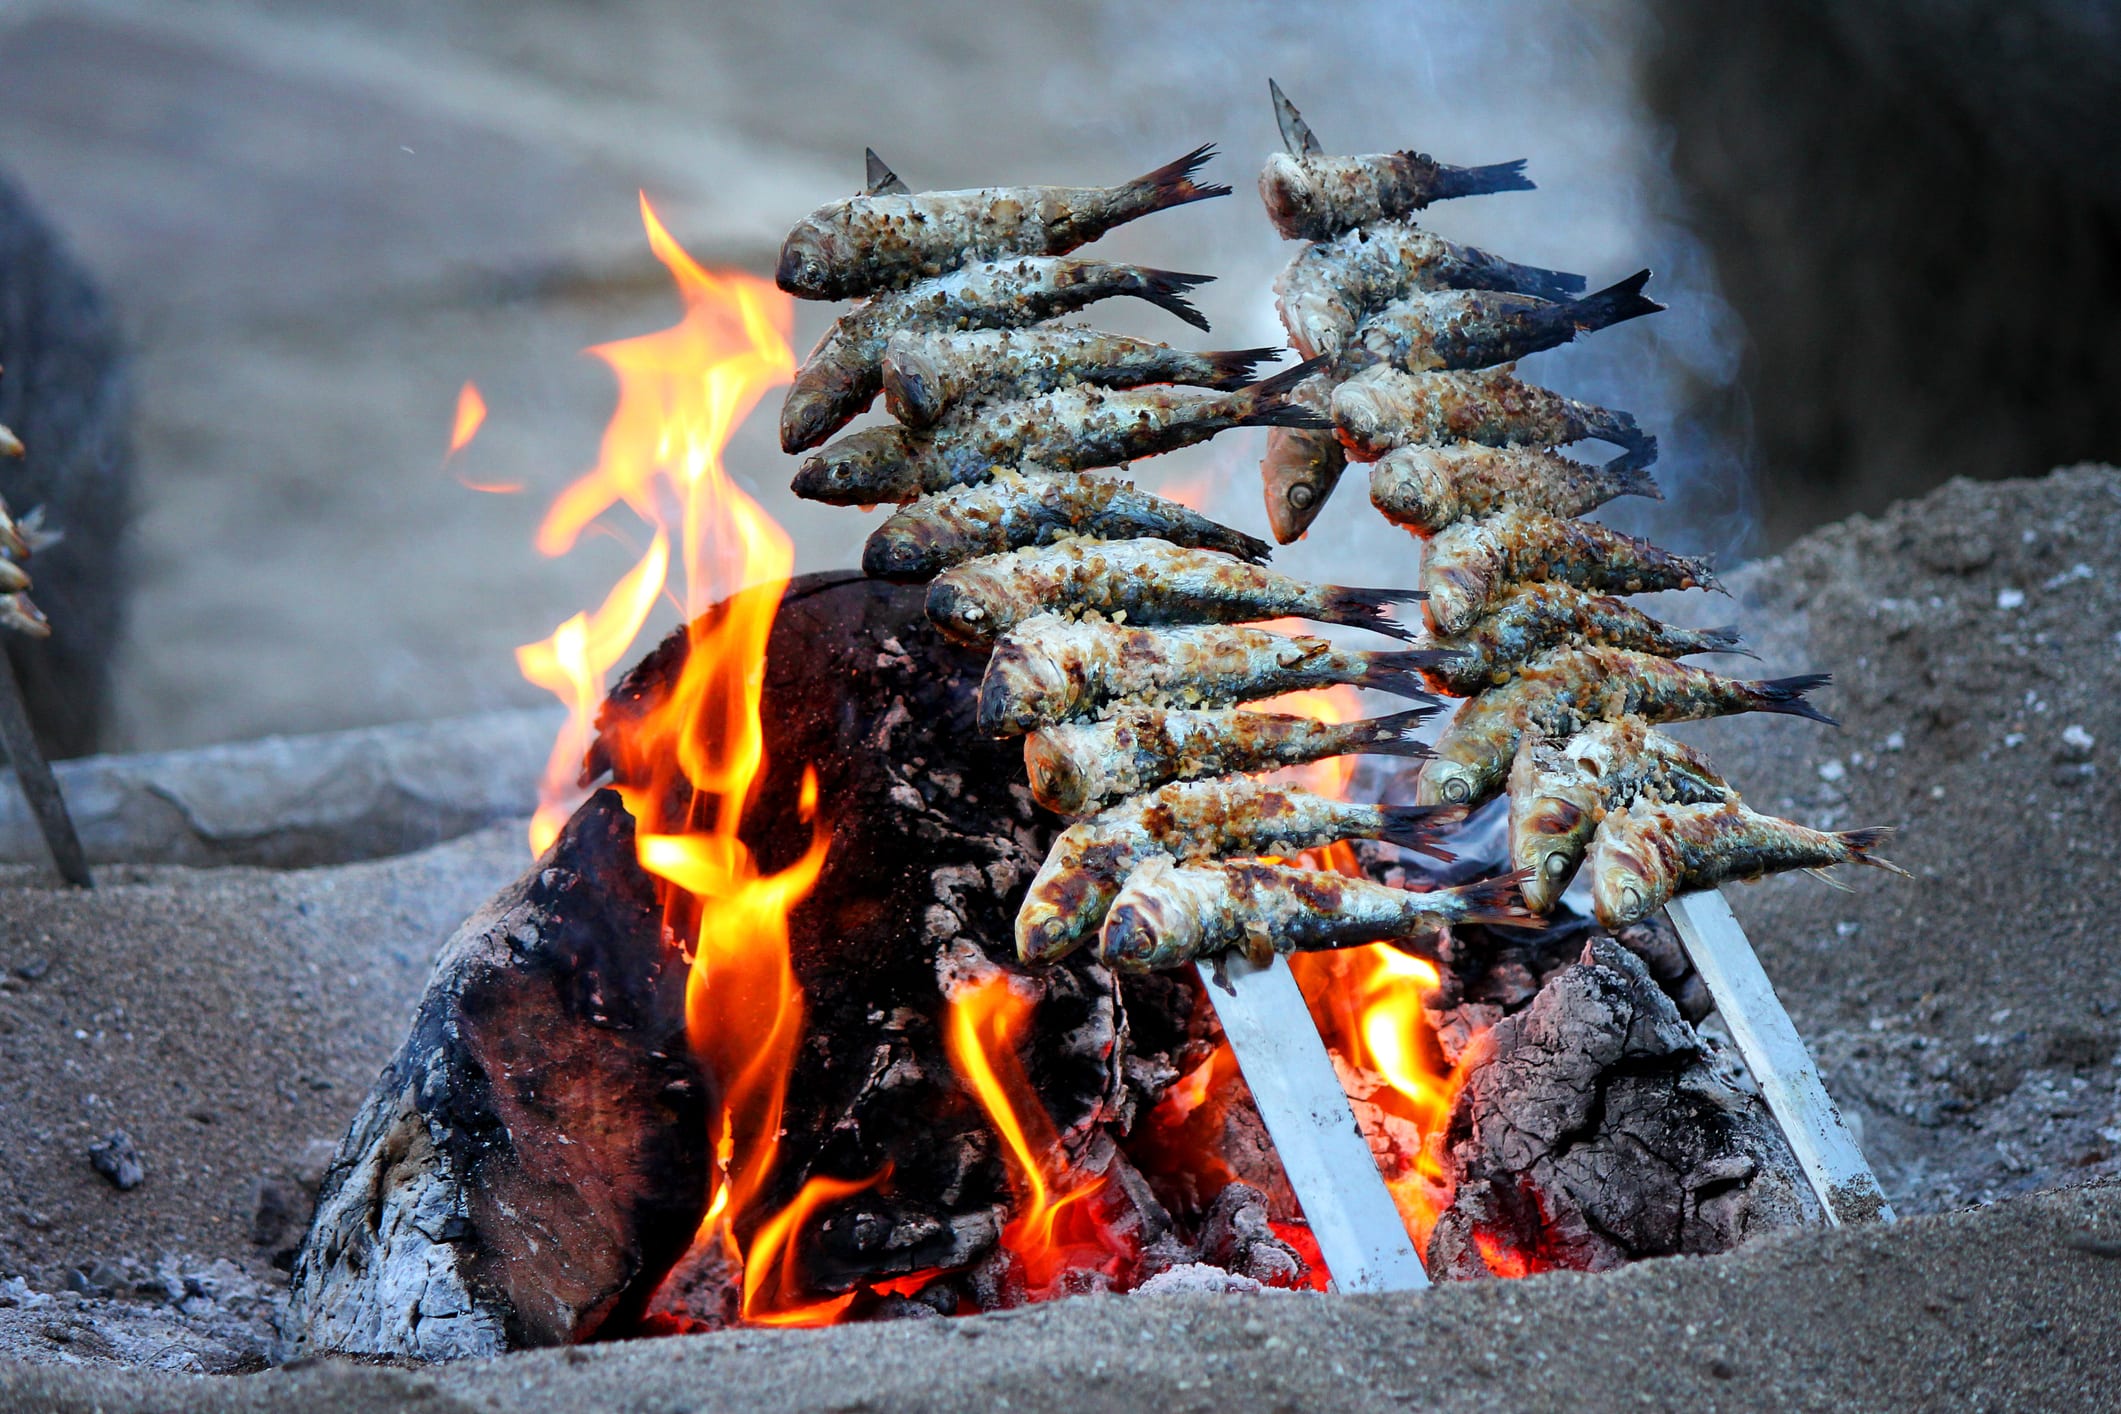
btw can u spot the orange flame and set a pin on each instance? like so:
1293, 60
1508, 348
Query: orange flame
688, 765
1055, 1230
471, 415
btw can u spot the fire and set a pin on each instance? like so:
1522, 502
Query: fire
471, 415
1055, 1230
687, 768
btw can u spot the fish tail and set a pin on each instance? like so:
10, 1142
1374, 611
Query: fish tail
1370, 609
1404, 673
1172, 184
1615, 304
1861, 842
1497, 902
1394, 735
1270, 401
1617, 427
1629, 473
1786, 695
1167, 289
1536, 280
1415, 827
1480, 181
1236, 367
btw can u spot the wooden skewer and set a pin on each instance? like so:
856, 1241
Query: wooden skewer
39, 786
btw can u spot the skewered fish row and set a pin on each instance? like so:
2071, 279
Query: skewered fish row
19, 539
1565, 681
1109, 602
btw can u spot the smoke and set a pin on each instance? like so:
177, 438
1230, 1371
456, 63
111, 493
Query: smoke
1468, 82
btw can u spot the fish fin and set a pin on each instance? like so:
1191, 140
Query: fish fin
1498, 902
1415, 827
1394, 734
1629, 473
1371, 609
1236, 367
1829, 880
1167, 289
1402, 673
880, 180
1270, 402
1861, 842
1296, 134
1786, 695
1481, 181
1726, 639
1172, 184
1615, 304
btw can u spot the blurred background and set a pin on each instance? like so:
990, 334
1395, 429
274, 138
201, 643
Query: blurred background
250, 249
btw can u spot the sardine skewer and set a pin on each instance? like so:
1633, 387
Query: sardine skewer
1147, 582
1013, 511
1169, 913
883, 241
1382, 409
1564, 691
1475, 563
1427, 488
1559, 791
1190, 820
1645, 853
1052, 668
927, 372
1077, 768
1070, 429
844, 372
1533, 619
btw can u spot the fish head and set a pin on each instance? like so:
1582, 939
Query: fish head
1299, 472
1058, 780
859, 470
1631, 877
818, 404
1548, 831
1445, 782
808, 268
1367, 414
958, 608
1416, 487
1296, 203
898, 550
1022, 690
913, 384
1147, 926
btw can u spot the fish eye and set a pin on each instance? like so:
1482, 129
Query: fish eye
1456, 790
1301, 496
1557, 864
1630, 900
972, 613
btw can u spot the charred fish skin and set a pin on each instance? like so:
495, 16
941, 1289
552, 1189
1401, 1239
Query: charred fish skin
1381, 409
1560, 693
1168, 913
1089, 860
843, 374
1314, 197
1052, 668
1463, 329
885, 241
1533, 619
1328, 289
1558, 792
1147, 582
1077, 769
1427, 488
1472, 565
1013, 511
1643, 854
926, 372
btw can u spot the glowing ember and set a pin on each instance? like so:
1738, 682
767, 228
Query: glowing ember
1056, 1230
471, 415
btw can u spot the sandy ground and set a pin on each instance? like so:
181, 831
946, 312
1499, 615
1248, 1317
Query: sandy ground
1969, 1021
2009, 1307
319, 220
